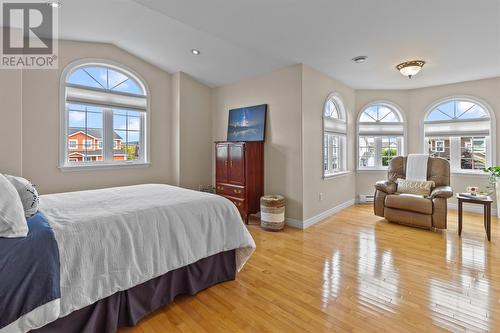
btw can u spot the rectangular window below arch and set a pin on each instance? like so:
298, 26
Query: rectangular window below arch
465, 153
334, 153
375, 152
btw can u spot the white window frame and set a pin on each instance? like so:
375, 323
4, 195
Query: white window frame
455, 145
108, 162
402, 142
341, 133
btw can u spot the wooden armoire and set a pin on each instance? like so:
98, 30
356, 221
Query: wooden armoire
239, 174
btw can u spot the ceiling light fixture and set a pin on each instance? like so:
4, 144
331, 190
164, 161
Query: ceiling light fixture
410, 68
195, 52
54, 4
359, 59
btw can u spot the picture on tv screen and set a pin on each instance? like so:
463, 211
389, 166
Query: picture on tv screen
247, 124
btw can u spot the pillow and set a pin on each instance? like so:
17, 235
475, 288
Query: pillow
28, 194
12, 220
417, 187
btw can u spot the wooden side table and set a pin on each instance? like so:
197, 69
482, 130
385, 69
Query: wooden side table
486, 202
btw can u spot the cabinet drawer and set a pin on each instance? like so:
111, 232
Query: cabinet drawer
231, 190
239, 203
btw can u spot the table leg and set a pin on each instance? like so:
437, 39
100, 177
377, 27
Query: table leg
488, 223
485, 216
459, 217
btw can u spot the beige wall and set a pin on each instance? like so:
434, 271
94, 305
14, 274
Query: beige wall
414, 104
340, 189
37, 102
11, 122
187, 116
281, 90
195, 137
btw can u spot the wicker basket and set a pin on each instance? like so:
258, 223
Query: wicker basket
272, 212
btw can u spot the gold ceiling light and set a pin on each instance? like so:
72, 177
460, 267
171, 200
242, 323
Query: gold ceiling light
410, 68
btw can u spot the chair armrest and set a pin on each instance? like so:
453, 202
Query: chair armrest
442, 192
387, 186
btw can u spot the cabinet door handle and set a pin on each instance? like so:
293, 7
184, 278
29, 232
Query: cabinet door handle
231, 164
220, 188
237, 191
237, 203
225, 163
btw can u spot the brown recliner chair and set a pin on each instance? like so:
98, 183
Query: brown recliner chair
429, 212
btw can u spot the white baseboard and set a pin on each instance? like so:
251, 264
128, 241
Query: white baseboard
320, 217
471, 208
294, 223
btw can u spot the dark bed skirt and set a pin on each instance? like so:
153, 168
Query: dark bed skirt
126, 308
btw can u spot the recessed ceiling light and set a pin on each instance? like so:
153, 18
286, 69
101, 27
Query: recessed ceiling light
410, 68
359, 59
195, 52
54, 4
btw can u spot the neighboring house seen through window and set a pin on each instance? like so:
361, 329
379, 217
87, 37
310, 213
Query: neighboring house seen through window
380, 135
459, 130
334, 136
105, 113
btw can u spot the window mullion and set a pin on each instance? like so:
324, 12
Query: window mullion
378, 151
455, 153
108, 141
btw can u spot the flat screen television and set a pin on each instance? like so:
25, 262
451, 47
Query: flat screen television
247, 124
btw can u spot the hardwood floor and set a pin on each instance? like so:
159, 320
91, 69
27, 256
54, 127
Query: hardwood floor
353, 272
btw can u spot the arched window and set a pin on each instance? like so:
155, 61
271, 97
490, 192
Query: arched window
381, 133
103, 116
459, 129
334, 136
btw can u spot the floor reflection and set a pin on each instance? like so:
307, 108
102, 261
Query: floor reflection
378, 280
462, 305
332, 275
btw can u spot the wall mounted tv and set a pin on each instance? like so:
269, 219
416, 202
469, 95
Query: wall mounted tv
247, 124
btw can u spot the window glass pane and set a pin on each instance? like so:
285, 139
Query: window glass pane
82, 78
386, 115
379, 113
473, 111
439, 147
127, 127
335, 153
85, 130
104, 78
369, 115
457, 110
472, 153
366, 151
331, 110
332, 158
389, 149
98, 74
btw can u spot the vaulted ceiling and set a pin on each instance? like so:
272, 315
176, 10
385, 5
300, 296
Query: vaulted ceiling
459, 39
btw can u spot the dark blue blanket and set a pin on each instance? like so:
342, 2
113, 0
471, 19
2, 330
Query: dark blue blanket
29, 270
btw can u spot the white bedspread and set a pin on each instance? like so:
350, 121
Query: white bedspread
113, 239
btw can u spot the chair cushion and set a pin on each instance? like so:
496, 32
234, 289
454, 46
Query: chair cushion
409, 202
415, 187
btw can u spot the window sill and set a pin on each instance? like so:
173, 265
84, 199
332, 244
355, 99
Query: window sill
469, 173
107, 166
337, 174
368, 170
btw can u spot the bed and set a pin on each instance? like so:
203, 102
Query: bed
124, 252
